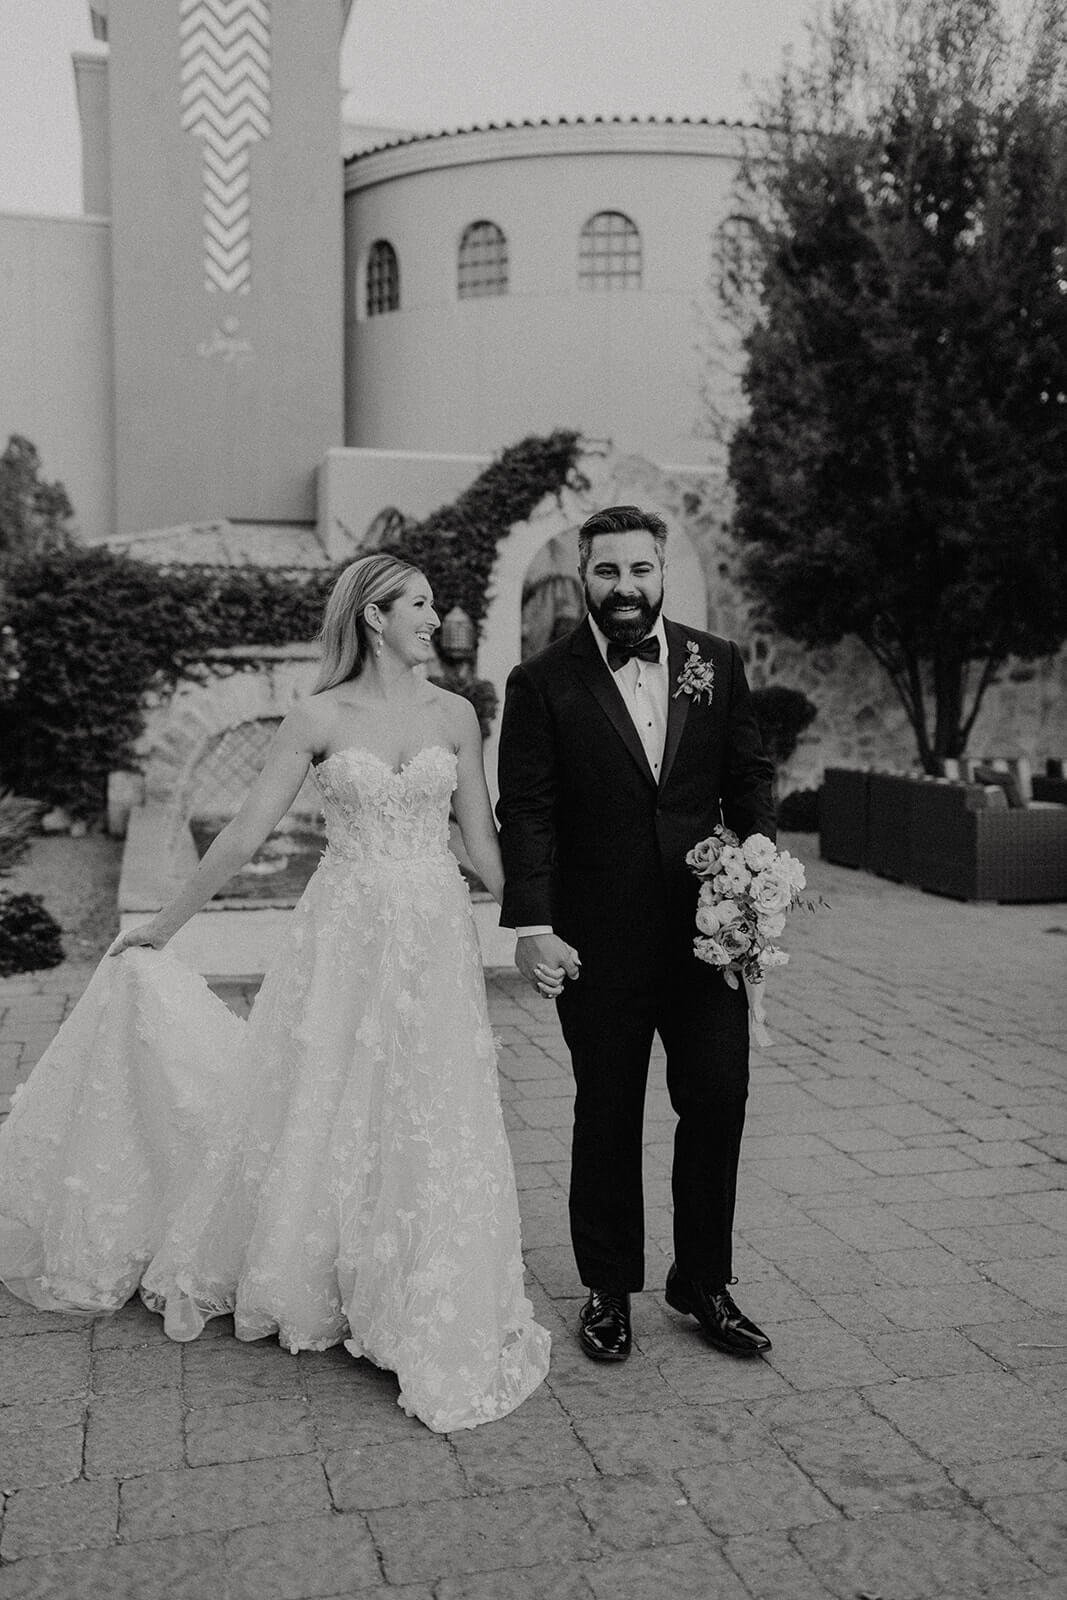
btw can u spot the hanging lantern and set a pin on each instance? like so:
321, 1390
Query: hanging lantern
459, 637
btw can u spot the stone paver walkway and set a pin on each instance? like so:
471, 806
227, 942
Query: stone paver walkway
901, 1234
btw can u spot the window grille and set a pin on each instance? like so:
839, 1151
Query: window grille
383, 279
609, 254
483, 261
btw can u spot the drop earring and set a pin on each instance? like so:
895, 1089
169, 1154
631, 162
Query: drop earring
378, 646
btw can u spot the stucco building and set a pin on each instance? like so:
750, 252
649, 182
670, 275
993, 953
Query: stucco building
511, 279
237, 300
267, 326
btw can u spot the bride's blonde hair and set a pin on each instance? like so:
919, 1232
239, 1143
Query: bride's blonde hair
372, 580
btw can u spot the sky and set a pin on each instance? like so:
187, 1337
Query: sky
430, 64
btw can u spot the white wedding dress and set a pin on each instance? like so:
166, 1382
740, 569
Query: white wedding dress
333, 1169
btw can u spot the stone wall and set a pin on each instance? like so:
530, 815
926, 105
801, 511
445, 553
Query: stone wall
184, 732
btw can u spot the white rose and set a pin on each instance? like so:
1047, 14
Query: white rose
793, 871
711, 951
708, 919
732, 880
770, 893
758, 851
771, 927
772, 957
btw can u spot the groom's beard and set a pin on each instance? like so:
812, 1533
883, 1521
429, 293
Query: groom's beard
631, 630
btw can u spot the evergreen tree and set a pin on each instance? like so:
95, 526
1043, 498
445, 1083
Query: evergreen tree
902, 472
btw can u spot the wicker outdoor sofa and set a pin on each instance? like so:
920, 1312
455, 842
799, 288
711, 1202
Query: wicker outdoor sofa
950, 837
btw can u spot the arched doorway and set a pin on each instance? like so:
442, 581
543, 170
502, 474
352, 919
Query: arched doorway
536, 595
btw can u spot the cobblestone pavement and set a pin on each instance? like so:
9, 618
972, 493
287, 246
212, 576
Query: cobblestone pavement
901, 1230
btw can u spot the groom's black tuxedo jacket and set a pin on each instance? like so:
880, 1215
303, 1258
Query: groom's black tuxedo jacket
592, 845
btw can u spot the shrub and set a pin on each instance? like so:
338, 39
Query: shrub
18, 817
29, 935
798, 812
782, 714
10, 661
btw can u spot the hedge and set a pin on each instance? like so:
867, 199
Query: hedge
96, 630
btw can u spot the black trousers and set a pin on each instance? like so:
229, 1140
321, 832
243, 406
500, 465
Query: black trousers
703, 1025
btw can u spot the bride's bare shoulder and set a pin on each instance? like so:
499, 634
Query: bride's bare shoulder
310, 720
455, 709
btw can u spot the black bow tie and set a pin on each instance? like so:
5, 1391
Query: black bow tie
620, 654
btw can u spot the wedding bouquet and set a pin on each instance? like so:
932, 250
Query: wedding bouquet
746, 890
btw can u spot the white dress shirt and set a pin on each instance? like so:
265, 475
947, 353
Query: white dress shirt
643, 686
644, 689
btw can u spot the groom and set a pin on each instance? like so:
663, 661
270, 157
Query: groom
621, 746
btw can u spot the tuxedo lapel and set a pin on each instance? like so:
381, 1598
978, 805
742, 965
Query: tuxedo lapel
595, 674
677, 704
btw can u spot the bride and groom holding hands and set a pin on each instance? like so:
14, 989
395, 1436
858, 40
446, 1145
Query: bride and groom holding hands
336, 1168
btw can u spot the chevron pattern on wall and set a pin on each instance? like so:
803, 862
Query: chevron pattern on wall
225, 103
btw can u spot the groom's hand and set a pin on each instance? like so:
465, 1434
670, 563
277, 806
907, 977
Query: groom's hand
544, 959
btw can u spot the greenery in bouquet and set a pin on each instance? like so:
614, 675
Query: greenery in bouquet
746, 893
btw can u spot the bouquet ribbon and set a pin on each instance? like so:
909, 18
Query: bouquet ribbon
757, 1015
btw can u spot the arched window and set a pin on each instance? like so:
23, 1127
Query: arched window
483, 261
609, 254
736, 260
383, 279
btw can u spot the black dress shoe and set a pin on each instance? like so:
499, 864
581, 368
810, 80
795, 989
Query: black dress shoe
604, 1326
722, 1323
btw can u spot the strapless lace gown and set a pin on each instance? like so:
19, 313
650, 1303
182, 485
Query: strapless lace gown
333, 1169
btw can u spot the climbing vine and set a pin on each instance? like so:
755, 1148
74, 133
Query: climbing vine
92, 631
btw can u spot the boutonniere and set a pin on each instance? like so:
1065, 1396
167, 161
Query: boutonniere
697, 677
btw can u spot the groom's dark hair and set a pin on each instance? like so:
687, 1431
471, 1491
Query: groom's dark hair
619, 519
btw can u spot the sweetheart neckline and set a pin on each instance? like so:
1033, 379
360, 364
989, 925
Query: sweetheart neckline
363, 749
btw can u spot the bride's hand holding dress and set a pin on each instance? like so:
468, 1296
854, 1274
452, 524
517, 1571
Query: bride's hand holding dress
294, 747
335, 1169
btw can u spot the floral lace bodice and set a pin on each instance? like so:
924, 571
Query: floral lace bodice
374, 813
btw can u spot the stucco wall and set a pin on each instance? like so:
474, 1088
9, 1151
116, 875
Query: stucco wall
468, 375
226, 399
91, 83
356, 485
55, 344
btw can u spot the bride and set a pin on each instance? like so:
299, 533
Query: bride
335, 1168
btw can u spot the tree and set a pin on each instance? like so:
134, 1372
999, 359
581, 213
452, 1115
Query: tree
901, 475
33, 514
